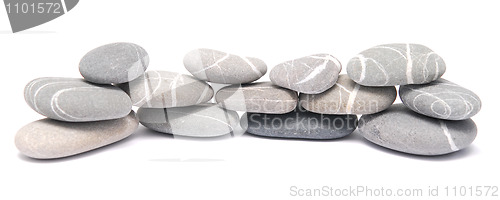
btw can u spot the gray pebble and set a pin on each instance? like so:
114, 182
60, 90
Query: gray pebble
396, 64
441, 99
114, 63
48, 139
403, 130
263, 97
163, 89
219, 67
311, 74
299, 124
348, 97
203, 120
74, 100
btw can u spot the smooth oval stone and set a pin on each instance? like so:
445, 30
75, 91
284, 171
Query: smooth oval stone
348, 97
299, 124
74, 100
396, 64
219, 67
441, 99
311, 74
263, 97
163, 89
203, 120
403, 130
114, 63
47, 138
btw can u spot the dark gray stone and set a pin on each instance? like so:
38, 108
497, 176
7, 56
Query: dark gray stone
310, 75
114, 63
299, 124
203, 120
396, 64
219, 67
403, 130
441, 99
74, 100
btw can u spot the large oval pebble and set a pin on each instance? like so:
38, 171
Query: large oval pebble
311, 74
74, 100
348, 97
163, 89
299, 124
396, 64
114, 63
204, 120
47, 138
219, 67
263, 97
441, 99
401, 129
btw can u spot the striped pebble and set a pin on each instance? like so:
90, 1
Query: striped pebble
74, 100
219, 67
403, 130
396, 64
348, 97
311, 74
163, 89
441, 99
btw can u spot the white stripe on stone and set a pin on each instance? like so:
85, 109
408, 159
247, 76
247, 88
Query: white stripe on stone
203, 94
314, 73
252, 66
409, 65
352, 97
362, 60
453, 146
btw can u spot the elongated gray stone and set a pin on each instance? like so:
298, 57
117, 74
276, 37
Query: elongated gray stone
163, 89
263, 97
403, 130
48, 139
441, 99
219, 67
396, 64
311, 74
74, 100
348, 97
203, 120
114, 63
299, 124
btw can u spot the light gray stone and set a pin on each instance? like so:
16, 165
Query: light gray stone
311, 74
48, 139
403, 130
219, 67
299, 124
203, 120
441, 99
348, 97
74, 100
163, 89
263, 97
396, 64
114, 63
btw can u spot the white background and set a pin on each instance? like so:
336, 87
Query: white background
151, 165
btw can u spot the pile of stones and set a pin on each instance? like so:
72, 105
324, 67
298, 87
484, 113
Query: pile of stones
307, 98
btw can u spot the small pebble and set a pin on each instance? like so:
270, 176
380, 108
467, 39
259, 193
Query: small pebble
48, 139
219, 67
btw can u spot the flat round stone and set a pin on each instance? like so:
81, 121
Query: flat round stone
441, 99
299, 124
219, 67
396, 64
403, 130
311, 74
114, 63
203, 120
348, 97
163, 89
48, 139
263, 97
75, 100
